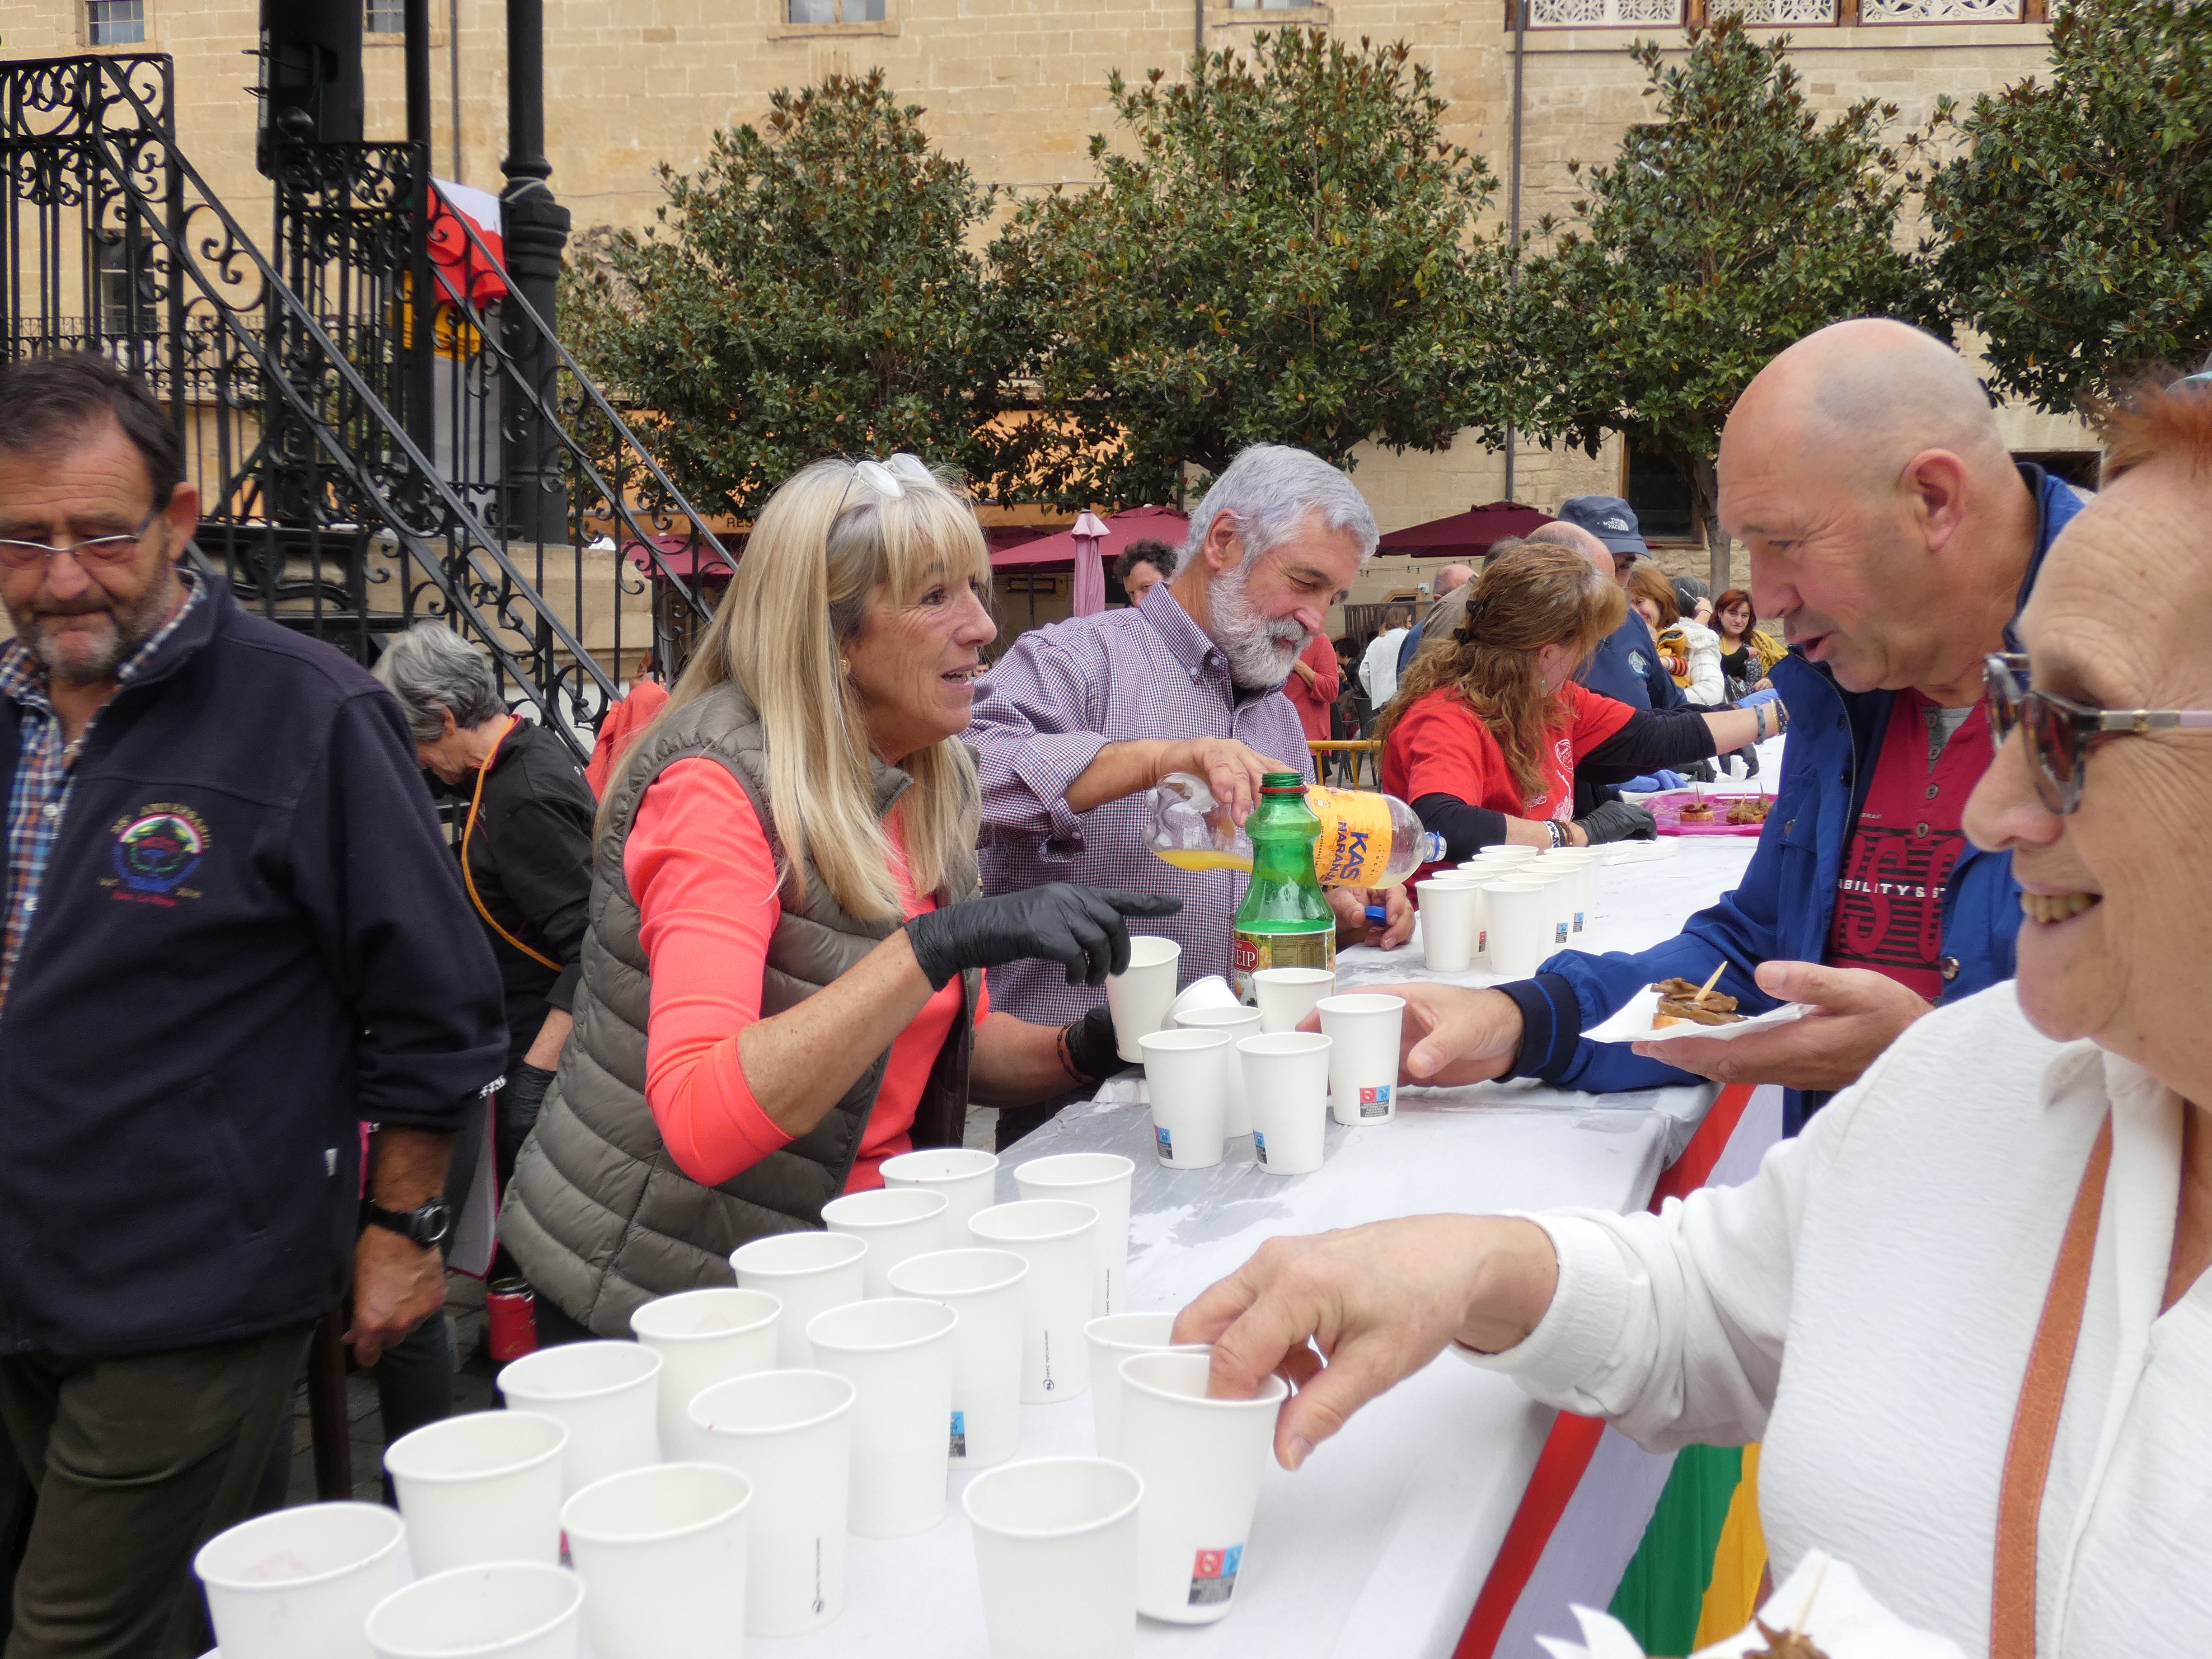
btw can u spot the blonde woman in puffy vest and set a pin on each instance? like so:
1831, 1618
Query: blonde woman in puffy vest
783, 980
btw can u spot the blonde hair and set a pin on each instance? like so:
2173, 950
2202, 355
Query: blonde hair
828, 544
1532, 595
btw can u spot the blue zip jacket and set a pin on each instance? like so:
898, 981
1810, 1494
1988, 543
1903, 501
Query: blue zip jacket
1783, 911
250, 937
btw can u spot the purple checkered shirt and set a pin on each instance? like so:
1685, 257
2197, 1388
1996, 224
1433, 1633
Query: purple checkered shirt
1052, 702
38, 797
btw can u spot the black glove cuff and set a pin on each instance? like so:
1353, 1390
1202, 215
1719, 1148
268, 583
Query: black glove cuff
1092, 1054
925, 935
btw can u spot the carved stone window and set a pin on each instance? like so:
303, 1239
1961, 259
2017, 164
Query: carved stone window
1603, 14
115, 23
1940, 11
834, 11
1768, 12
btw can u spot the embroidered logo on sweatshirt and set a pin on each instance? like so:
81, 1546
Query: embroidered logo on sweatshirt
156, 849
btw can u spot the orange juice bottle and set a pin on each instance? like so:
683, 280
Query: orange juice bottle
1366, 839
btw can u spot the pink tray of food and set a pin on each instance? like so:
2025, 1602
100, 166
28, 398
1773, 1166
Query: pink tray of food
1667, 809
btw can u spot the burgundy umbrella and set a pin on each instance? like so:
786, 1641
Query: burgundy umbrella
1466, 535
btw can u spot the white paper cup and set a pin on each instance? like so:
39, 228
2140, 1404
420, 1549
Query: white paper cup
1491, 857
896, 1351
1452, 924
1524, 923
1199, 1460
1234, 1022
897, 1221
1139, 998
481, 1486
1286, 1080
790, 1434
500, 1610
1056, 1556
1102, 1181
1054, 1236
1112, 1339
967, 1175
703, 1337
1287, 996
1211, 992
808, 1274
1577, 877
607, 1393
662, 1555
1363, 1058
1186, 1077
301, 1581
984, 1287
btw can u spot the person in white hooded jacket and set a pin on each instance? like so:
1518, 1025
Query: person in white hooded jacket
1967, 1311
1692, 651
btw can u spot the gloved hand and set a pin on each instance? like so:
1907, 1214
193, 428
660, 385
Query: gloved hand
1619, 820
1652, 782
520, 1101
1752, 699
1090, 1047
1079, 928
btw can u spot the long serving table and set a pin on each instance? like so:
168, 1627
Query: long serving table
1379, 1545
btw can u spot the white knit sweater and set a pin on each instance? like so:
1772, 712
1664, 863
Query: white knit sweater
1865, 1304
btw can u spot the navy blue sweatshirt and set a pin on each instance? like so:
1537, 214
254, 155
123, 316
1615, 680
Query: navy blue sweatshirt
189, 1044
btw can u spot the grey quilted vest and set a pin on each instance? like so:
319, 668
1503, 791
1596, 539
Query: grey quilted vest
598, 1215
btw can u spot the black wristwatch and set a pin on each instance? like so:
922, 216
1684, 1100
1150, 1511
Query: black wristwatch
427, 1224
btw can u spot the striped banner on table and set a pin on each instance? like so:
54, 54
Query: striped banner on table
1669, 1543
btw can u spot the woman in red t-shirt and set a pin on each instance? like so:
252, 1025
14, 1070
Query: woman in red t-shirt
1484, 739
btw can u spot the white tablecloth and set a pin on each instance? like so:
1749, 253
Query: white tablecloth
1379, 1546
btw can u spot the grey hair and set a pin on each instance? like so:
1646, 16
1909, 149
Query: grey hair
433, 671
1270, 489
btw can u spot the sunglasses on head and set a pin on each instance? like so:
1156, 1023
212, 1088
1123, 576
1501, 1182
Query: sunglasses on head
2060, 733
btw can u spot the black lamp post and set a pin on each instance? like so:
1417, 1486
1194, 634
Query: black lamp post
536, 229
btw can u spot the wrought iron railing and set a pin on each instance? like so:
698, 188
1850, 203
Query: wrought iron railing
349, 424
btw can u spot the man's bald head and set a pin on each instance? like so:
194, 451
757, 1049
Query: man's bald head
1560, 534
1861, 399
1453, 577
1887, 528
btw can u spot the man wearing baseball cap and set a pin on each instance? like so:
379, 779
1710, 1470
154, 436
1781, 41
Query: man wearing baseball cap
1625, 665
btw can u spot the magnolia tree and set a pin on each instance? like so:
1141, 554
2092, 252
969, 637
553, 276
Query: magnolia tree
1280, 248
1731, 225
2075, 229
811, 291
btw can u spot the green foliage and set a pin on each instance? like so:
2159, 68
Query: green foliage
1731, 227
2075, 229
809, 291
1286, 249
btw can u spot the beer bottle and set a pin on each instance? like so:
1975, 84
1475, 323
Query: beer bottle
1285, 921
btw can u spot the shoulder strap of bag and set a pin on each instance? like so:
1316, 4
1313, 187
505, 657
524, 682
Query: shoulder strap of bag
468, 876
2035, 1419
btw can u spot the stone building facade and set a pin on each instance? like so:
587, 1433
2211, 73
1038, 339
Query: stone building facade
1016, 87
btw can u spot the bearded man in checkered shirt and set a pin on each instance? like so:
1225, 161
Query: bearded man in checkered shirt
1079, 720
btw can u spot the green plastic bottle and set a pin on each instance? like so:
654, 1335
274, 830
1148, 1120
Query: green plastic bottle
1285, 921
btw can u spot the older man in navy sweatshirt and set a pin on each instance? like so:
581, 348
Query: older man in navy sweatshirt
230, 934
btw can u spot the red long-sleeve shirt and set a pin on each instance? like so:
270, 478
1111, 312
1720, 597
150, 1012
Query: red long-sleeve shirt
705, 883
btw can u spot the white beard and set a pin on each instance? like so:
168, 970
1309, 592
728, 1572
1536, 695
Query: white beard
1260, 652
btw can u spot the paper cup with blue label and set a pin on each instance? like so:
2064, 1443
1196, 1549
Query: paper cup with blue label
1363, 1057
1186, 1079
1200, 1461
984, 1287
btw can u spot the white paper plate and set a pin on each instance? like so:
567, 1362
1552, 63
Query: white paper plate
1633, 1023
1641, 852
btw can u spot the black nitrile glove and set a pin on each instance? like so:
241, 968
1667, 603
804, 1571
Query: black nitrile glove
1091, 1051
518, 1103
1619, 820
1079, 928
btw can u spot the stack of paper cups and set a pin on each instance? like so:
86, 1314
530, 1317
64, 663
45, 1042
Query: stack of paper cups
1236, 1022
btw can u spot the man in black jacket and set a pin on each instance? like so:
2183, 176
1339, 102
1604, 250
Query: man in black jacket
231, 936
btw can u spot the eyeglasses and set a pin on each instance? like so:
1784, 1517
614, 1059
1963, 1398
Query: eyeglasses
2060, 733
102, 550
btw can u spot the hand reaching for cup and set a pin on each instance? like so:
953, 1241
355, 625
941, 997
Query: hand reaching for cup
1345, 1316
